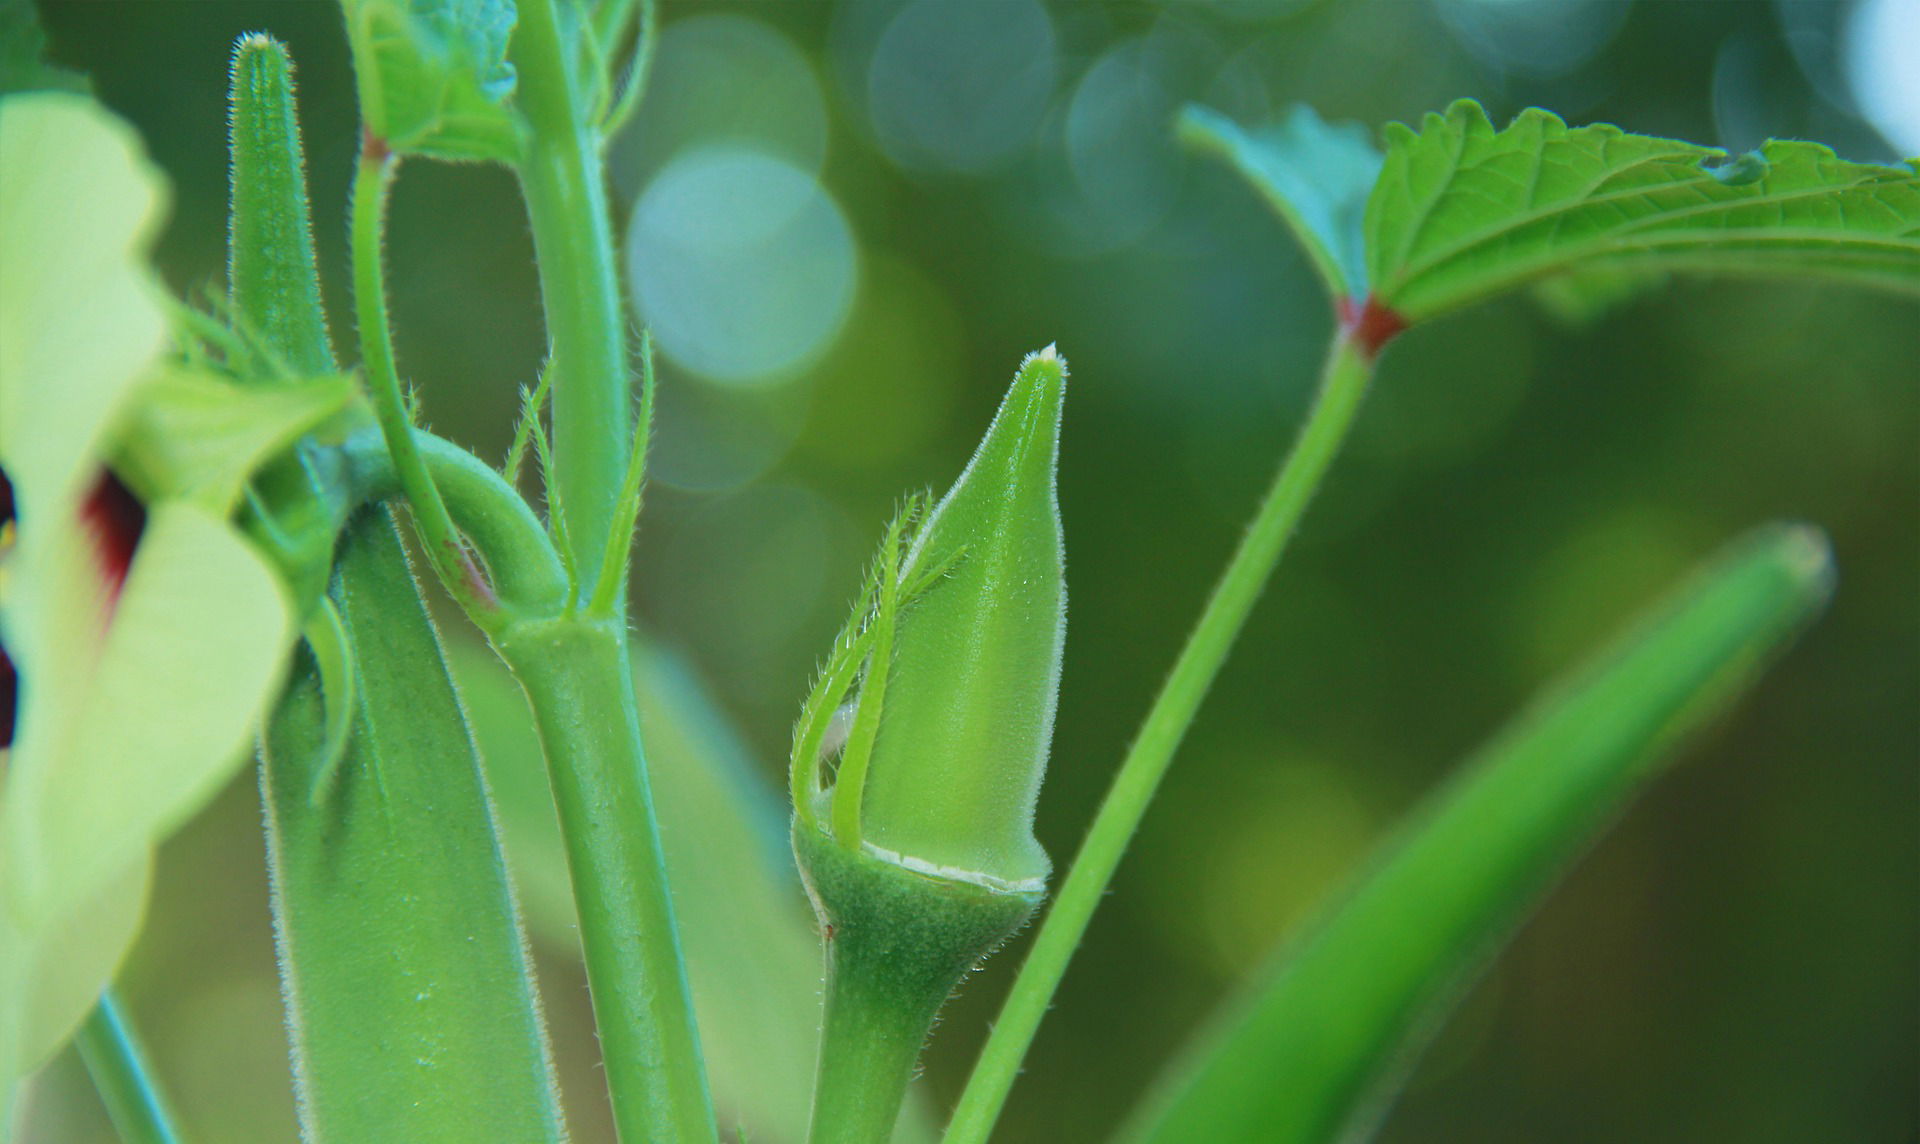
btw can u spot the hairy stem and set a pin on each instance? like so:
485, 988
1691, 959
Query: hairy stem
869, 1042
1343, 383
445, 550
575, 670
565, 188
118, 1065
579, 681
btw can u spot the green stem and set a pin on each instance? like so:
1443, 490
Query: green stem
445, 550
575, 671
522, 566
118, 1064
565, 188
1343, 383
871, 1038
579, 681
898, 943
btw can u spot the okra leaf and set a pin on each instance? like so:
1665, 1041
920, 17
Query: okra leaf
1462, 211
409, 995
1315, 174
433, 75
1308, 1052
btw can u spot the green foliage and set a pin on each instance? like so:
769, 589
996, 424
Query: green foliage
1309, 1051
1315, 174
434, 77
1463, 212
409, 996
1458, 211
919, 755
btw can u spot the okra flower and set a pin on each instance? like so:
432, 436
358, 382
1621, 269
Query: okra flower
143, 639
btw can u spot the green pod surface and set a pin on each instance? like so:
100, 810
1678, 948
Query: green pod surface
962, 745
410, 1003
299, 499
274, 286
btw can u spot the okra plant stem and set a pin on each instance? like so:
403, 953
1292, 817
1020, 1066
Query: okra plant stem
579, 681
564, 183
872, 1035
575, 669
118, 1065
1343, 383
445, 550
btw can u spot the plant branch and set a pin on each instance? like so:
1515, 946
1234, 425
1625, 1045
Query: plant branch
1343, 383
445, 550
564, 183
117, 1062
634, 83
521, 563
575, 670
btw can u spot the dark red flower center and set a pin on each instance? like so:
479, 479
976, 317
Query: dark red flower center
116, 518
9, 678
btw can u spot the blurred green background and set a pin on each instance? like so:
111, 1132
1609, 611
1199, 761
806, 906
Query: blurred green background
847, 221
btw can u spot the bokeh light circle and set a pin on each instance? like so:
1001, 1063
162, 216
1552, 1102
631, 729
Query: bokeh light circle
741, 263
1539, 39
961, 85
724, 78
1117, 143
1883, 66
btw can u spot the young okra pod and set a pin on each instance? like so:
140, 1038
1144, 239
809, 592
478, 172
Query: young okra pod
919, 755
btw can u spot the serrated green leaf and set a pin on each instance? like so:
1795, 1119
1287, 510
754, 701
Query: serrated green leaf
1309, 1050
1463, 212
193, 436
433, 75
23, 54
408, 992
1315, 174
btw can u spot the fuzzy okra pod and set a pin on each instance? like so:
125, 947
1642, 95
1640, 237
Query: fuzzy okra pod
410, 999
918, 848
